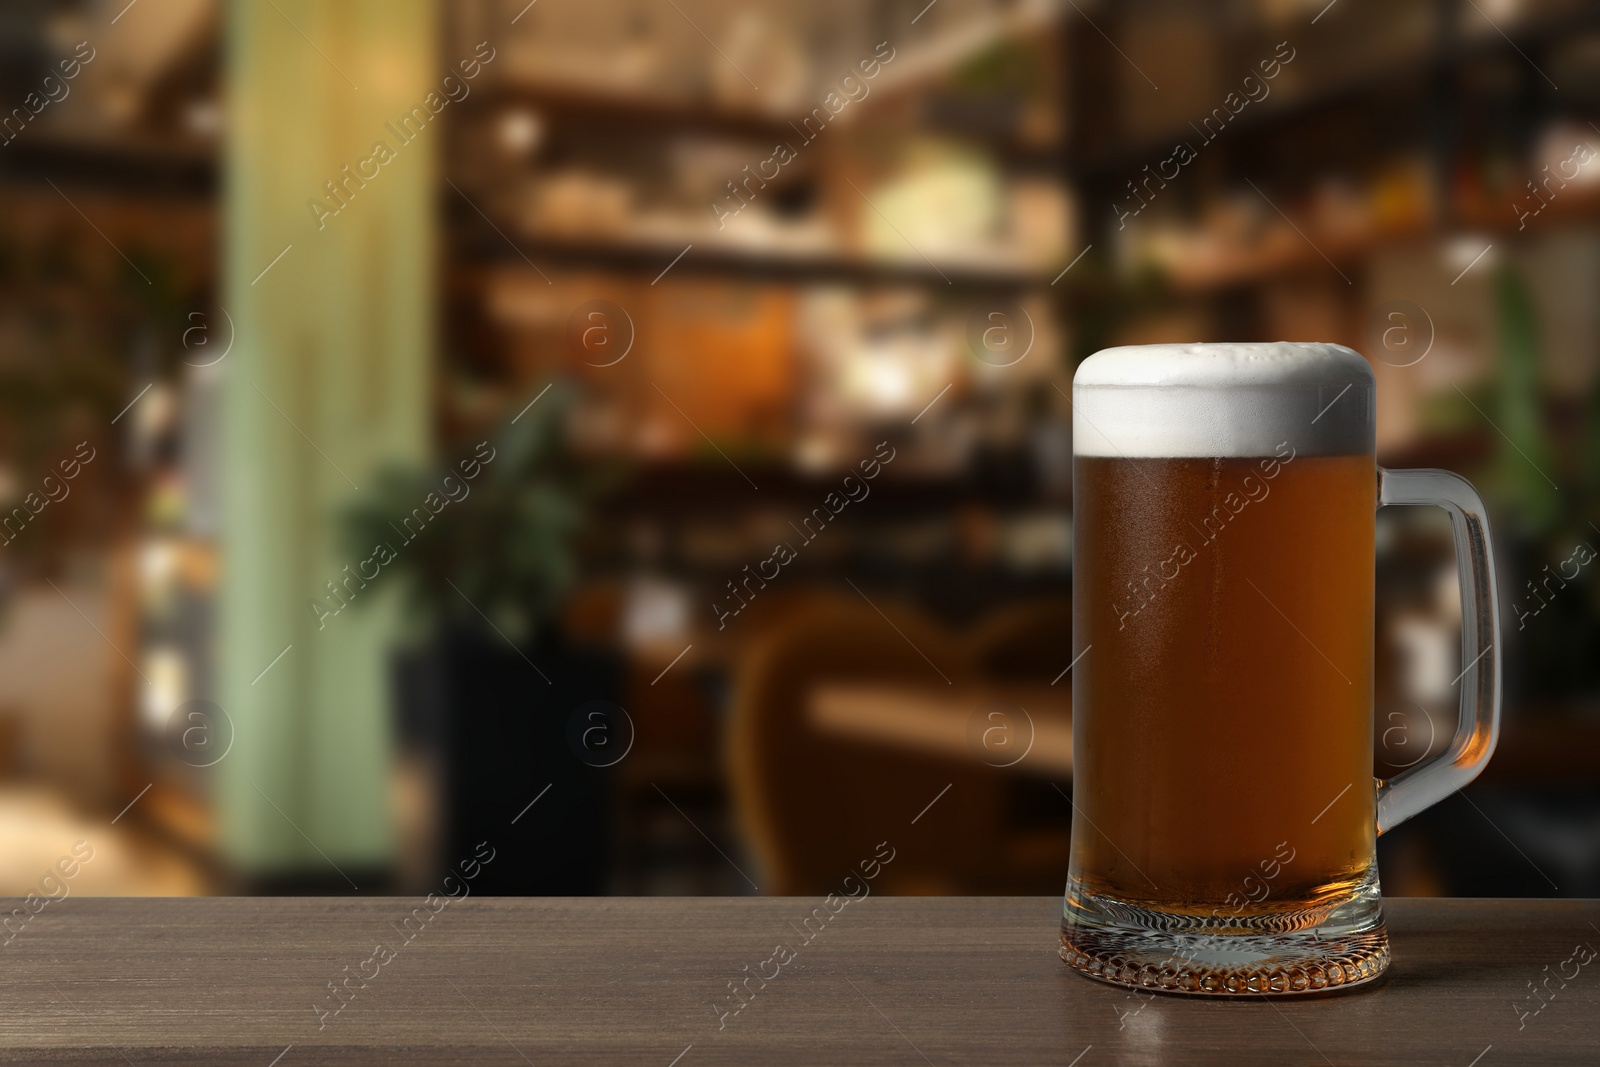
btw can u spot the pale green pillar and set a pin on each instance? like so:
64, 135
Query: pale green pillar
327, 380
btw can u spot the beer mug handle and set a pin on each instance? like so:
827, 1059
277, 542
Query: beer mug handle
1431, 781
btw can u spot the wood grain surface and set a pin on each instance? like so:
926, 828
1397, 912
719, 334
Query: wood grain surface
891, 981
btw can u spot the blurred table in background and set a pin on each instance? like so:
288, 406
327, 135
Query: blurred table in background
1027, 728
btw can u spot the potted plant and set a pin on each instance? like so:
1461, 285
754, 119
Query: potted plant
495, 686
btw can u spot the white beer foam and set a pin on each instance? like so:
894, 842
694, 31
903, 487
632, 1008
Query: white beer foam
1210, 400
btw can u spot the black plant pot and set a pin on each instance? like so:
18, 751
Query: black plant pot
517, 773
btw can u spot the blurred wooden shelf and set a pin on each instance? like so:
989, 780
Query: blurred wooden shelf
652, 115
918, 68
695, 488
479, 245
1317, 249
137, 167
1274, 259
1418, 70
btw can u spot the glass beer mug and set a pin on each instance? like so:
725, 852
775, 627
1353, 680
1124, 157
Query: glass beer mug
1225, 812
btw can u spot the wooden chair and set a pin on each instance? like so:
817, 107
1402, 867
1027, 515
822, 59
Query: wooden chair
1027, 642
813, 806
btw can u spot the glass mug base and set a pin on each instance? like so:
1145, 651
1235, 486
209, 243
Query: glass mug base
1284, 952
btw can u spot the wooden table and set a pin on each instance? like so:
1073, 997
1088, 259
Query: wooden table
891, 981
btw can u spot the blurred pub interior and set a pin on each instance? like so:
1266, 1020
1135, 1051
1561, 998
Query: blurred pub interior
675, 357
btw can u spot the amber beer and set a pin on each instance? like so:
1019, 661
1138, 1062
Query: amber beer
1225, 812
1223, 727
